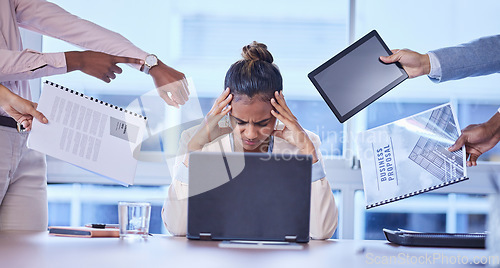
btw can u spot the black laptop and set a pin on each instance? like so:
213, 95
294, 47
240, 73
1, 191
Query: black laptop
249, 196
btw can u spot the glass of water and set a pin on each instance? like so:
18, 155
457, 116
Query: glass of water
133, 218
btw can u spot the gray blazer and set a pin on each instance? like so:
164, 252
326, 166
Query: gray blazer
476, 58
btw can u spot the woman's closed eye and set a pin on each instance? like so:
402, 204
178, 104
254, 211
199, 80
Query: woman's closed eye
257, 124
262, 123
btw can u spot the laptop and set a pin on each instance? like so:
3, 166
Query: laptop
249, 196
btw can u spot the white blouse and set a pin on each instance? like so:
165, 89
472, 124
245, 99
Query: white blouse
324, 212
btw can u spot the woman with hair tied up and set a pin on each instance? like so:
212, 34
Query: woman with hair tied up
253, 100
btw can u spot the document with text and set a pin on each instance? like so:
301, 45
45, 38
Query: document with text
88, 133
410, 156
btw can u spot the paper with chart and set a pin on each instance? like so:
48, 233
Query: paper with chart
410, 156
88, 133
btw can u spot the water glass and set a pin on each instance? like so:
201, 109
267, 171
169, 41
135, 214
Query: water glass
133, 218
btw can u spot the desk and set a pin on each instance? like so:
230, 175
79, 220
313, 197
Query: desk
39, 250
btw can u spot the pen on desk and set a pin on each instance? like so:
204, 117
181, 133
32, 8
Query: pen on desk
102, 225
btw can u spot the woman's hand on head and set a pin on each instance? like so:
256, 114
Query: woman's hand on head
293, 131
209, 129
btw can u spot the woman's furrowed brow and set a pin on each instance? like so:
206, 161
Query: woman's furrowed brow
263, 121
243, 121
238, 119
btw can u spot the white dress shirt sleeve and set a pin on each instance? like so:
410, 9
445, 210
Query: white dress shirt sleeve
49, 19
324, 211
435, 72
29, 64
174, 211
318, 172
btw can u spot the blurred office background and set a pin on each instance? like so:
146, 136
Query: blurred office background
203, 38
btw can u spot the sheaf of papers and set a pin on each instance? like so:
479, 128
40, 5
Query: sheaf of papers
410, 156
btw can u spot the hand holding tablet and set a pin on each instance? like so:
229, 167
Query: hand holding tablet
356, 77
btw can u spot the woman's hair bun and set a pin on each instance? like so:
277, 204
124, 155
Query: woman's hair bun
257, 51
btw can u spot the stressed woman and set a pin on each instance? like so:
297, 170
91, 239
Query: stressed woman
244, 118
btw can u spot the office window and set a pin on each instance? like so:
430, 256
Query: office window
452, 23
203, 38
423, 26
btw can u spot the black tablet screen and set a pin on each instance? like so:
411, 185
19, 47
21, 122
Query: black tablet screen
356, 77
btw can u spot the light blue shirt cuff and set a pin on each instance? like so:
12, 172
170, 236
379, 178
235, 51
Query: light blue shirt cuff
317, 171
435, 72
182, 173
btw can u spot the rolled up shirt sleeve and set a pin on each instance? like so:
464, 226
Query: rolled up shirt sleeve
29, 64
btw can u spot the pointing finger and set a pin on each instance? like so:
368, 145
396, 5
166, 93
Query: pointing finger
119, 59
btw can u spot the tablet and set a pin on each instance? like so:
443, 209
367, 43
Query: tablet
452, 240
356, 77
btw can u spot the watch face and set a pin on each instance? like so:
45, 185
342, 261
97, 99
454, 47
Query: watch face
151, 60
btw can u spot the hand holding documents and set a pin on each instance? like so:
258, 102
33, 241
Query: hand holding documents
410, 156
88, 133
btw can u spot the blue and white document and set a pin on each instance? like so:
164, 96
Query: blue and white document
410, 156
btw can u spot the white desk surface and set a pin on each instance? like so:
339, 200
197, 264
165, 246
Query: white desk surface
40, 250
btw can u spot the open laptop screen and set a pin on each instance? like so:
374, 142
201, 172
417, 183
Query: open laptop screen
251, 196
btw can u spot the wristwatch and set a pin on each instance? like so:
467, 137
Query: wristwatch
150, 62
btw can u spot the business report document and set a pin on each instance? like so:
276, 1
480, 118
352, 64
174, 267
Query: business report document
88, 133
410, 156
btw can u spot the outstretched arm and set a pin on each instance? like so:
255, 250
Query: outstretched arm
476, 58
49, 19
99, 65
